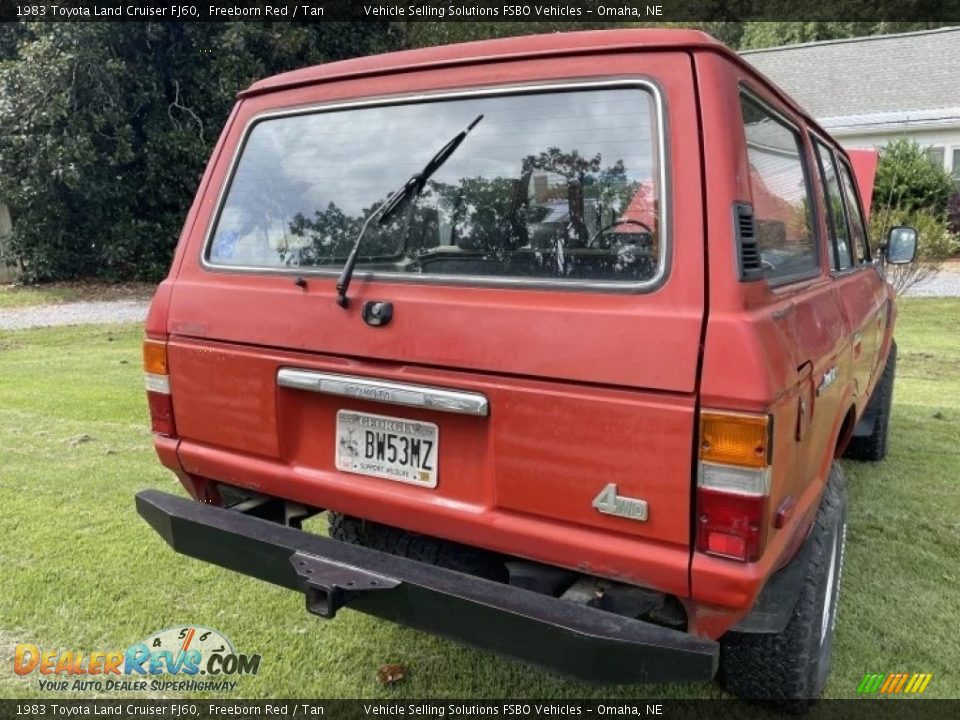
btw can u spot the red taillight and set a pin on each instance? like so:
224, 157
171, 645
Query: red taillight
730, 525
161, 413
159, 399
733, 484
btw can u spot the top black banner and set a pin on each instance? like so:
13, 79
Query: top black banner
558, 11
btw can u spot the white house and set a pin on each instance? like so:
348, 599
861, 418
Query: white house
871, 90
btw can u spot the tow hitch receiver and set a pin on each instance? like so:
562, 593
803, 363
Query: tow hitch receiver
331, 585
574, 639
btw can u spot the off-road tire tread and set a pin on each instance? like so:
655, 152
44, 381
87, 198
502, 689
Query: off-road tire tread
873, 447
423, 548
779, 669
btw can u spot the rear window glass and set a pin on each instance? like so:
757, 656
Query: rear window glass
781, 205
554, 185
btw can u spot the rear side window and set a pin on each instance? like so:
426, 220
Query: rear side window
559, 186
858, 230
778, 183
841, 252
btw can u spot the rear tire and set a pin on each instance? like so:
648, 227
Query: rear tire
789, 669
422, 548
873, 447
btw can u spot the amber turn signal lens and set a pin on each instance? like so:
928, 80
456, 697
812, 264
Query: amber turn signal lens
155, 357
735, 439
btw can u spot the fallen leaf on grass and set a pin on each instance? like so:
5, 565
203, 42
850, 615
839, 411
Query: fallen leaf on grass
391, 674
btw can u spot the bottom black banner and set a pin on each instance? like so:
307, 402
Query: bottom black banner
891, 709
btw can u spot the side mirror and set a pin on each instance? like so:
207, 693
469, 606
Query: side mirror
901, 247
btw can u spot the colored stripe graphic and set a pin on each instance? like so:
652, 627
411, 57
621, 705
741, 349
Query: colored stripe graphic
894, 683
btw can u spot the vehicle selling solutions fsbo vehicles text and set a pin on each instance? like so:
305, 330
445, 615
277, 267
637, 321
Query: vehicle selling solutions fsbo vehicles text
451, 10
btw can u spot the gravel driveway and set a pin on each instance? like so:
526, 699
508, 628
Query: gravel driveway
75, 313
944, 284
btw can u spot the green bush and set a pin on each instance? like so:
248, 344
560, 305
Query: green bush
907, 179
105, 129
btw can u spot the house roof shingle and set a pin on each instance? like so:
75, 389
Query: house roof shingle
884, 78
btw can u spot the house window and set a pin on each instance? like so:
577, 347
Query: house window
936, 154
956, 163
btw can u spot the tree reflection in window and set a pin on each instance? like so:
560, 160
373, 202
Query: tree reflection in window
586, 210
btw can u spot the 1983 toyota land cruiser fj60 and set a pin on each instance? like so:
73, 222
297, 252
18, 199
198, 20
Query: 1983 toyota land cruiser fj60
574, 392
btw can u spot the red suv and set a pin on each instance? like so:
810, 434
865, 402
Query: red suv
573, 392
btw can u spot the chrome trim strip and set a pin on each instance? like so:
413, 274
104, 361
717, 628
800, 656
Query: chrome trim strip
422, 396
663, 196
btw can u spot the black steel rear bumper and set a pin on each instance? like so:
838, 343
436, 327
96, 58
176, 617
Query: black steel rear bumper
580, 641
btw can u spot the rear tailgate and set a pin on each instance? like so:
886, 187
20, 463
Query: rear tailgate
584, 389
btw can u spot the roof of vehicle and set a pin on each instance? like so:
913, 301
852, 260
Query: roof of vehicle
526, 46
513, 48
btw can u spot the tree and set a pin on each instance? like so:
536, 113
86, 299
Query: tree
105, 129
426, 34
774, 34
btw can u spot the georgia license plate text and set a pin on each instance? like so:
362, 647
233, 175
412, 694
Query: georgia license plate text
387, 447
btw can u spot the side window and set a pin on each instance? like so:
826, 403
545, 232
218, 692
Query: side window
778, 183
841, 255
858, 229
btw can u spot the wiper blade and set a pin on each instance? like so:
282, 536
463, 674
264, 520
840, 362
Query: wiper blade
414, 186
389, 207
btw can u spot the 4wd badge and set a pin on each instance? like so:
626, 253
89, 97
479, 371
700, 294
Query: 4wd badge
609, 503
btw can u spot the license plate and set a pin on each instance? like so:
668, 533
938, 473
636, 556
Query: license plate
387, 447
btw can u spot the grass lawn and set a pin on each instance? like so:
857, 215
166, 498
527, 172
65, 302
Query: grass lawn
14, 296
81, 571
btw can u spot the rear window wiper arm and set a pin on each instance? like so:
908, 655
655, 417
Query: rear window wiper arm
389, 207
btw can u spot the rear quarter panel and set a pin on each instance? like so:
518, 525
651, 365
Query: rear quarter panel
765, 348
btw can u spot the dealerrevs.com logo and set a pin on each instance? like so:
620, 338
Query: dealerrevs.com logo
187, 658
